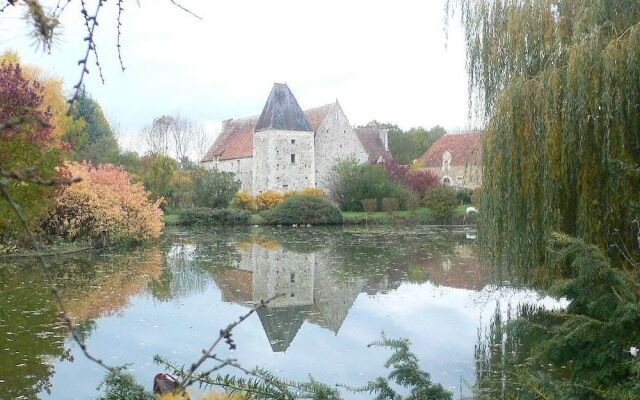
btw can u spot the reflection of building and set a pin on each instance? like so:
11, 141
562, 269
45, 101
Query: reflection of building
312, 290
462, 269
317, 289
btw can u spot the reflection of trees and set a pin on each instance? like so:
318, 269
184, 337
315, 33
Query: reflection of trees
98, 285
31, 335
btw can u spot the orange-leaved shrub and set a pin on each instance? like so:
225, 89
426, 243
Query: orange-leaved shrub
244, 201
269, 199
104, 207
308, 191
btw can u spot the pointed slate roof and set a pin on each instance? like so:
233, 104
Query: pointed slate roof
282, 112
236, 138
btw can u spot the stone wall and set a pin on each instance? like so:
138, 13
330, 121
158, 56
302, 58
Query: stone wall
241, 167
273, 167
471, 175
280, 271
335, 140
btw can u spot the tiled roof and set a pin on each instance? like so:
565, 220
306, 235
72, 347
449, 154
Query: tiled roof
370, 138
317, 115
236, 138
281, 111
234, 141
465, 148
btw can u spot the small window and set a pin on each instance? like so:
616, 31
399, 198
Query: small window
293, 141
285, 187
293, 158
293, 277
293, 295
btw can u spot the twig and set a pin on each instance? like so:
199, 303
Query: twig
52, 285
91, 23
21, 120
175, 3
224, 334
28, 175
119, 27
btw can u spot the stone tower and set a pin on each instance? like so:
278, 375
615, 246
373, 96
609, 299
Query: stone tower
283, 145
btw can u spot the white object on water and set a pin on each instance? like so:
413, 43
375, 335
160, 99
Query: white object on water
471, 210
634, 351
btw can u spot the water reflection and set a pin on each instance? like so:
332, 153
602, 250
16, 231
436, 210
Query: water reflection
342, 287
31, 332
320, 282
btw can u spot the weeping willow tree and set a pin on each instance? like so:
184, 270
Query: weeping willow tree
558, 84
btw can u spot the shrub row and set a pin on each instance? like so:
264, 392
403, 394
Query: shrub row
269, 199
213, 217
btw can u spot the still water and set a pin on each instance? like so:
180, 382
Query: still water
342, 286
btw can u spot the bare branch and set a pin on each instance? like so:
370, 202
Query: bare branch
175, 3
119, 27
225, 334
91, 23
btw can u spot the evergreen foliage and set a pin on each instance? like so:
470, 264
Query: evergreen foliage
406, 372
99, 144
305, 209
559, 83
582, 352
119, 385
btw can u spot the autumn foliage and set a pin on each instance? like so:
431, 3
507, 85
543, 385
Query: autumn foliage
26, 143
419, 181
105, 207
269, 199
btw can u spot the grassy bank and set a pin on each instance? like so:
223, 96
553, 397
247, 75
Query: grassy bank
421, 215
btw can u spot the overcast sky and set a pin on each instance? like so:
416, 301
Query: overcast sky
383, 60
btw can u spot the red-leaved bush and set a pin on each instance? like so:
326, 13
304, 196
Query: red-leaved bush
104, 207
26, 143
419, 181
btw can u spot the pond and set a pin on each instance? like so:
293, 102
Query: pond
342, 288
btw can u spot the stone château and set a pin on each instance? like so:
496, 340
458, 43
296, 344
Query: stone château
286, 148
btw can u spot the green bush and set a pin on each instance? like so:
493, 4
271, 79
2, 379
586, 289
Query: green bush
352, 182
369, 205
214, 189
407, 198
463, 196
213, 217
389, 204
305, 209
442, 201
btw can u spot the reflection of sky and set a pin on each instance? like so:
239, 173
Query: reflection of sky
441, 322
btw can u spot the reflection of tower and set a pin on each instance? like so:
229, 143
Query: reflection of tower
281, 324
312, 288
333, 295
